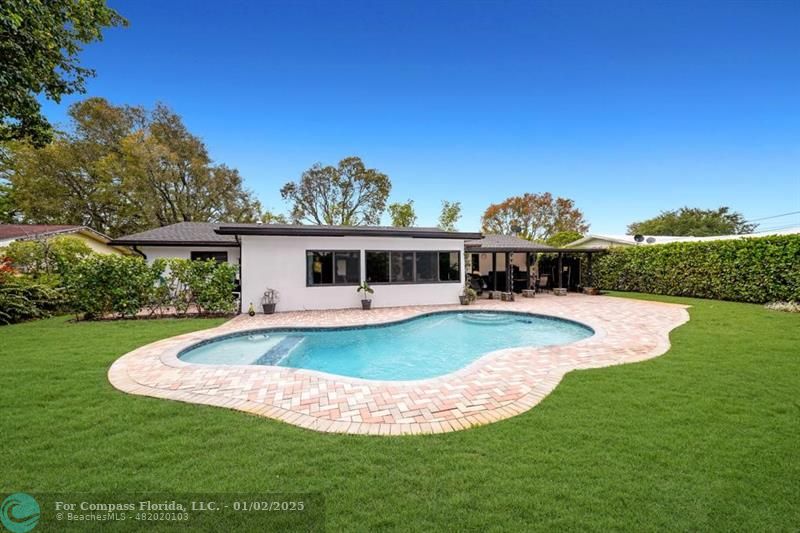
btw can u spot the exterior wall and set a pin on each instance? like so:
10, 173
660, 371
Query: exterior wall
184, 252
279, 262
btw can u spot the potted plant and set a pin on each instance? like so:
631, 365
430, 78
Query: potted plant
468, 295
251, 310
366, 302
269, 301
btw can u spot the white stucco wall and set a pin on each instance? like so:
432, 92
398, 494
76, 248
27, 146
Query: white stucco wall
279, 262
184, 252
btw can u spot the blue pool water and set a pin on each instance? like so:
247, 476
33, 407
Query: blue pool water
419, 348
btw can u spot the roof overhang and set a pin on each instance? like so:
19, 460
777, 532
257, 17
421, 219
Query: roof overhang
322, 231
134, 242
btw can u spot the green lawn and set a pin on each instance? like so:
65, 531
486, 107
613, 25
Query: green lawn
705, 437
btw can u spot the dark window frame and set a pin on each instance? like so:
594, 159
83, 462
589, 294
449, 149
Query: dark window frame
414, 281
210, 253
333, 282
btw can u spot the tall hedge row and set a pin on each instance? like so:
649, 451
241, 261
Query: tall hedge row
757, 270
112, 285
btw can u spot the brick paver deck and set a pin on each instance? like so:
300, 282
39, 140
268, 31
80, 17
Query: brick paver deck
499, 385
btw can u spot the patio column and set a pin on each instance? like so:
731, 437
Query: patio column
590, 274
560, 271
509, 280
528, 264
494, 271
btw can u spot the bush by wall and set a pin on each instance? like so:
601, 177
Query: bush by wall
758, 270
111, 285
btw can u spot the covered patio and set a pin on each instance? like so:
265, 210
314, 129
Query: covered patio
506, 263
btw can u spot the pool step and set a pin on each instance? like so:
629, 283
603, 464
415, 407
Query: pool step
487, 318
280, 351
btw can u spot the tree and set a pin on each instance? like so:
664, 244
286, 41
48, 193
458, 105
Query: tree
8, 211
123, 169
563, 237
268, 217
451, 213
403, 215
39, 47
533, 216
694, 222
348, 194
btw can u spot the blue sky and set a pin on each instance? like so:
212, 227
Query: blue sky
629, 108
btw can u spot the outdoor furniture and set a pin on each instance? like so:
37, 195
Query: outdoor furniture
528, 293
495, 295
507, 296
560, 291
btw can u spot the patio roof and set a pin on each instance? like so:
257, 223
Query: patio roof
299, 230
511, 243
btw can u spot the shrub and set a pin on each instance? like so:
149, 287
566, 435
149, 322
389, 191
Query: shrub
46, 256
102, 285
113, 285
754, 270
23, 298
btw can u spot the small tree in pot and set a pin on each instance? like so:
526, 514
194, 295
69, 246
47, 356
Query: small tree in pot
269, 301
468, 295
366, 302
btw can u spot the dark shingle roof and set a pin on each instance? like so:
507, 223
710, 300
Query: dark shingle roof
182, 233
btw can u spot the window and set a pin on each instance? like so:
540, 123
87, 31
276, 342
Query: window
402, 267
426, 267
449, 266
219, 257
413, 267
378, 267
333, 268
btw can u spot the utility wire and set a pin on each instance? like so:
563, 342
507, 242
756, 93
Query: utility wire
773, 216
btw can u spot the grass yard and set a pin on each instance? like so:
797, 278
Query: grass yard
706, 437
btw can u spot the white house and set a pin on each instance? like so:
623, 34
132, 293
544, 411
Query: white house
320, 267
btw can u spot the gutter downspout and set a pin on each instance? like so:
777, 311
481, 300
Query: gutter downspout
138, 251
241, 284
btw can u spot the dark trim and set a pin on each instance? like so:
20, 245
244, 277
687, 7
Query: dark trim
218, 244
365, 231
541, 250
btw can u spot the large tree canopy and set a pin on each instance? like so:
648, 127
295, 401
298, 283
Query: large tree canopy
695, 222
39, 46
533, 216
402, 214
124, 169
348, 194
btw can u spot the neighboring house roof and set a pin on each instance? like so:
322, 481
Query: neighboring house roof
300, 230
664, 239
180, 234
9, 232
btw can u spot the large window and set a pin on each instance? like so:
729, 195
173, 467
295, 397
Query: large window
333, 268
378, 267
413, 267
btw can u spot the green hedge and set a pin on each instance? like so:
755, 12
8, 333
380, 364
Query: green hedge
24, 298
758, 270
112, 285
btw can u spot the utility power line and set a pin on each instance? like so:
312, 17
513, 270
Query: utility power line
773, 216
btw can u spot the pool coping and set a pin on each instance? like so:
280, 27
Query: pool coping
497, 385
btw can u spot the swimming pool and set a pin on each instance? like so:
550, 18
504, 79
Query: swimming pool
423, 347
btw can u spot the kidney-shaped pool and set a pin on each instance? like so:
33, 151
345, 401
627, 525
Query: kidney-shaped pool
423, 347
